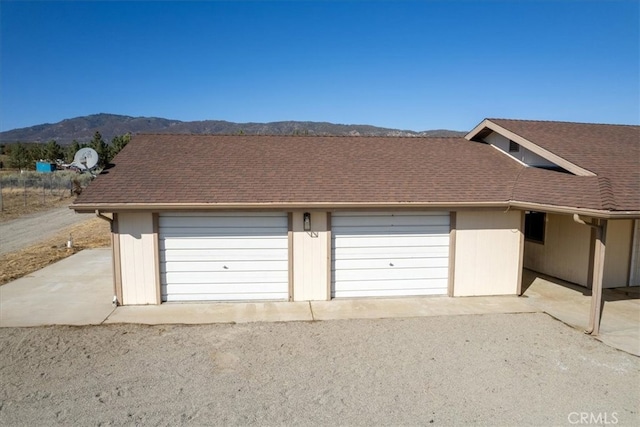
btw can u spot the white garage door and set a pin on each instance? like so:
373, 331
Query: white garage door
223, 257
390, 254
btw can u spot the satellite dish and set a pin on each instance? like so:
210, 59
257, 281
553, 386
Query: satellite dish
85, 159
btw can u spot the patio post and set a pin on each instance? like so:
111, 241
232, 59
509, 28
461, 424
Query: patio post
595, 314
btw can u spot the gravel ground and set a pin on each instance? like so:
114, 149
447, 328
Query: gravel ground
522, 369
19, 233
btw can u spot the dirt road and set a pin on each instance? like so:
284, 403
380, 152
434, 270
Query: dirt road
27, 230
501, 370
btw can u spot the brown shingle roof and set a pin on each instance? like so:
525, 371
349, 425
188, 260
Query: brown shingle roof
240, 170
612, 152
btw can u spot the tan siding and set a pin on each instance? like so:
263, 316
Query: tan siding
565, 252
617, 253
452, 253
310, 255
487, 253
634, 268
137, 258
117, 267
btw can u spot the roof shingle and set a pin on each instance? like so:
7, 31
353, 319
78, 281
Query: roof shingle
236, 171
274, 169
612, 152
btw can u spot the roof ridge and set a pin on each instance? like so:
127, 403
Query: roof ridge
606, 193
562, 121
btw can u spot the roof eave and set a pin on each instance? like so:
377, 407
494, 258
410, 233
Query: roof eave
569, 210
123, 207
329, 206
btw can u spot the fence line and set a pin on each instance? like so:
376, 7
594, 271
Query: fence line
22, 190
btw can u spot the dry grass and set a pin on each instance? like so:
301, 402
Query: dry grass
16, 203
93, 233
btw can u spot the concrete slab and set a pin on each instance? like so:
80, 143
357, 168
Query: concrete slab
78, 291
75, 291
415, 307
620, 325
202, 313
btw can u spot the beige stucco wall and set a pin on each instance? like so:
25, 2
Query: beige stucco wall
565, 252
487, 252
634, 276
617, 253
310, 258
138, 257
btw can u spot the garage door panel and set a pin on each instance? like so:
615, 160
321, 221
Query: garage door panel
189, 220
391, 284
223, 243
180, 277
389, 219
390, 254
385, 230
238, 232
221, 254
391, 274
384, 252
392, 292
262, 296
350, 241
226, 288
222, 266
224, 257
372, 264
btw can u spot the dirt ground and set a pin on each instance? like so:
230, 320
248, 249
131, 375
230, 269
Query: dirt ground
17, 203
504, 370
91, 233
35, 231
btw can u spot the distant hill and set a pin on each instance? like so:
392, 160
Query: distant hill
83, 128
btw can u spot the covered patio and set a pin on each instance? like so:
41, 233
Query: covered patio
571, 304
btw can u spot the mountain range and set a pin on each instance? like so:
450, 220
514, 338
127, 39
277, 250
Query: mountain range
82, 129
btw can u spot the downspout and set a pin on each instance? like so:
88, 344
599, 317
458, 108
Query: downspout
113, 266
103, 216
595, 314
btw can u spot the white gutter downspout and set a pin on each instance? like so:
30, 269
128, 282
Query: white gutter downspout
113, 261
595, 315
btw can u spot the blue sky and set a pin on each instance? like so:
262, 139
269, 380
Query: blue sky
403, 64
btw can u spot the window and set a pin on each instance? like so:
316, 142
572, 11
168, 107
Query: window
534, 224
514, 147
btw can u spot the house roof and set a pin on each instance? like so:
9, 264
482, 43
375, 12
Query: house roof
609, 152
166, 171
307, 170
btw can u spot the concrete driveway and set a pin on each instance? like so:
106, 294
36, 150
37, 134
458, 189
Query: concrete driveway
74, 291
78, 291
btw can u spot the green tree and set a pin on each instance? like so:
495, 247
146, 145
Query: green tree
101, 147
19, 157
71, 151
36, 152
118, 143
52, 151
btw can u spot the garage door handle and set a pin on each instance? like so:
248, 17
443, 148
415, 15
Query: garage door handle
391, 264
225, 267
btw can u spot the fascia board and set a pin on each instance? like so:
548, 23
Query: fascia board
120, 207
452, 206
